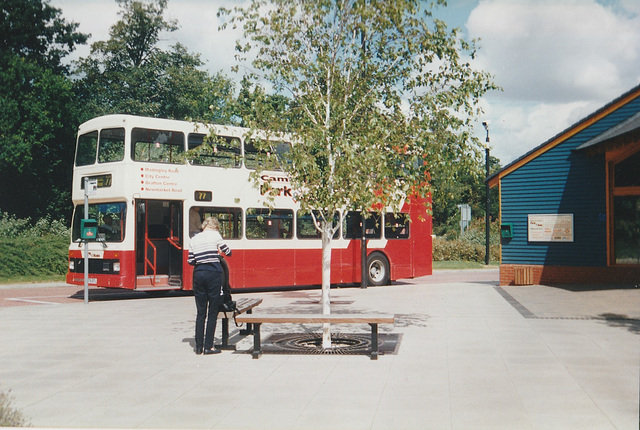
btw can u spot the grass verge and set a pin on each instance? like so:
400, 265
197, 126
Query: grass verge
31, 279
461, 265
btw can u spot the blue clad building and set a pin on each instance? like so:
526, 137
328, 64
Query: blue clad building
570, 208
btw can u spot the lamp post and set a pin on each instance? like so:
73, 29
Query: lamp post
488, 199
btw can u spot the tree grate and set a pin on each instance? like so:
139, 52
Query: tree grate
342, 344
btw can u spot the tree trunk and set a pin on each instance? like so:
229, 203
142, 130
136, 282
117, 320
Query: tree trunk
327, 234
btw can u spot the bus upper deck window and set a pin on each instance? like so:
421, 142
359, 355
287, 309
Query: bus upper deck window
158, 146
269, 156
218, 151
86, 150
111, 145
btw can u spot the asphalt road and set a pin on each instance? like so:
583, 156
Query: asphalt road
30, 294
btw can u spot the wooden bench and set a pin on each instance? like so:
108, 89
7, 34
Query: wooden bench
372, 319
244, 306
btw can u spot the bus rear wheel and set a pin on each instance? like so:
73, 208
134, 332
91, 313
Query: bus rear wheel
378, 272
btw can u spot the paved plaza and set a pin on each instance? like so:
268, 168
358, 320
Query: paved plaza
471, 355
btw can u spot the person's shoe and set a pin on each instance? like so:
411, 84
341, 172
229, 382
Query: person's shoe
198, 350
212, 351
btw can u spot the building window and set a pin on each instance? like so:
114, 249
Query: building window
625, 210
626, 229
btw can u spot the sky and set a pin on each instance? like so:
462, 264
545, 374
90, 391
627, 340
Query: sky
557, 61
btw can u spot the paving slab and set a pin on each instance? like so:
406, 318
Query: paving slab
472, 355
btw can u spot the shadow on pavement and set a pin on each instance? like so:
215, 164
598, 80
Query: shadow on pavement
107, 294
622, 321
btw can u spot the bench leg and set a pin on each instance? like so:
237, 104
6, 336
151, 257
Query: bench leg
374, 341
248, 329
257, 349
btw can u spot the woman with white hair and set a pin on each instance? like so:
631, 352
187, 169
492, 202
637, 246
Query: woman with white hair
204, 254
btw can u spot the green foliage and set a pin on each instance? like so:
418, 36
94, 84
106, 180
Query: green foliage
460, 250
476, 232
37, 109
34, 30
469, 246
254, 106
130, 74
12, 227
9, 416
47, 255
461, 181
376, 91
28, 249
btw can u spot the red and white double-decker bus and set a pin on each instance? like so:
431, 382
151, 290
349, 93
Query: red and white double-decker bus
150, 200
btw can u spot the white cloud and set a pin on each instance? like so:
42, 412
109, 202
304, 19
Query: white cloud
553, 51
199, 31
557, 61
517, 128
94, 18
196, 18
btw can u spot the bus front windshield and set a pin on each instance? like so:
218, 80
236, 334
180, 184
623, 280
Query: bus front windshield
110, 217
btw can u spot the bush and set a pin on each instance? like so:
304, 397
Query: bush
10, 417
31, 249
476, 233
29, 256
470, 246
461, 250
12, 227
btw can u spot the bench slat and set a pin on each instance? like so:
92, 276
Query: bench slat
244, 305
316, 318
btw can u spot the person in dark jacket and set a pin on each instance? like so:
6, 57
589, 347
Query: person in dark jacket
204, 254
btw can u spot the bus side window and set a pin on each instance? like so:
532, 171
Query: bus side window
111, 145
86, 150
254, 158
265, 224
218, 151
160, 146
352, 226
306, 228
272, 158
396, 226
230, 222
195, 221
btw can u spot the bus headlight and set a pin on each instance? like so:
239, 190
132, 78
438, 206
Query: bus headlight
116, 267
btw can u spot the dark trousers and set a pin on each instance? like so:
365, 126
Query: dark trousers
207, 286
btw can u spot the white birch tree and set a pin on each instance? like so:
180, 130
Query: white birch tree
376, 90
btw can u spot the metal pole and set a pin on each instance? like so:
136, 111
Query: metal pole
488, 201
86, 242
487, 213
363, 254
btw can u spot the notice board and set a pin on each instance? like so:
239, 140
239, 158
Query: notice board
550, 227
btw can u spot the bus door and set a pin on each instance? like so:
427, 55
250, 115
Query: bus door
159, 244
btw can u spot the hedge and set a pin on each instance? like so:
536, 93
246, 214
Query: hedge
29, 256
459, 250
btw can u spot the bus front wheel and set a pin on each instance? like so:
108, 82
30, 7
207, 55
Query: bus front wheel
377, 269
